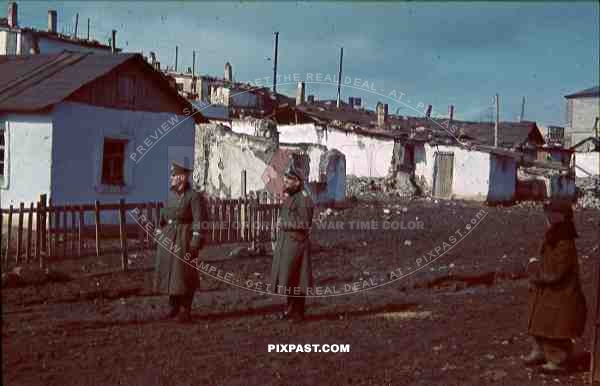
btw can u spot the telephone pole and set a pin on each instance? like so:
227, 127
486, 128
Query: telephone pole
497, 125
339, 102
275, 64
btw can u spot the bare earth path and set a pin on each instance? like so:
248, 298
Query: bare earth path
105, 328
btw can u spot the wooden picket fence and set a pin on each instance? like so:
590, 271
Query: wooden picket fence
45, 232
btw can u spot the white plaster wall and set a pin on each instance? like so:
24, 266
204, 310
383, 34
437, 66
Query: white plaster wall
586, 164
365, 156
471, 170
51, 46
79, 132
8, 42
227, 158
585, 111
29, 156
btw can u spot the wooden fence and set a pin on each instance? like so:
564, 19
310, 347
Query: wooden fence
44, 232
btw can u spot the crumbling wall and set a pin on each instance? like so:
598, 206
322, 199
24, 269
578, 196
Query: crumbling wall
221, 157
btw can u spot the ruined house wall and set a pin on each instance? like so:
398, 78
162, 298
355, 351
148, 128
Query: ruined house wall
221, 157
471, 170
365, 156
503, 179
586, 164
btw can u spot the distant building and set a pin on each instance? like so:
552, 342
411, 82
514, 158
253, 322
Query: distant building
583, 111
17, 40
82, 127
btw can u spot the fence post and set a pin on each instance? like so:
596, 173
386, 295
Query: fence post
142, 232
1, 238
80, 234
38, 241
97, 222
9, 234
20, 233
42, 237
63, 229
51, 221
73, 229
29, 232
123, 234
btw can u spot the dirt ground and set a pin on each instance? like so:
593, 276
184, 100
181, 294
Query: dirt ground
460, 320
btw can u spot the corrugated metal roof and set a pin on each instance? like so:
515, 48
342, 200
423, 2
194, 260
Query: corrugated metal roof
35, 82
589, 92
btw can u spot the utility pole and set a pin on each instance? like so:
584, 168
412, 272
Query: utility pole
339, 102
176, 54
522, 110
275, 64
497, 125
194, 74
76, 25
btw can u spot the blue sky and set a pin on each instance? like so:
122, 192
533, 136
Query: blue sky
433, 53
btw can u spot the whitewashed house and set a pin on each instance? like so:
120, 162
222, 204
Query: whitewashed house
21, 40
85, 127
583, 112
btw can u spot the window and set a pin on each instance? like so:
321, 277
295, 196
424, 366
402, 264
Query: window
113, 162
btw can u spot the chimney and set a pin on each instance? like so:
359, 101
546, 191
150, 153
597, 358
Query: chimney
351, 101
451, 112
310, 99
300, 94
357, 102
52, 21
228, 72
113, 42
12, 15
157, 65
382, 114
428, 112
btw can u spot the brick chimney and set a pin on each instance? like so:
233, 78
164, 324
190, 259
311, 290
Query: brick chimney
52, 21
451, 112
12, 15
428, 112
300, 93
382, 114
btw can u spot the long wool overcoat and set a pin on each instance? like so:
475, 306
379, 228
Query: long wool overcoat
557, 307
174, 275
291, 267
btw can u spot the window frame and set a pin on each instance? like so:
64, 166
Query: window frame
111, 180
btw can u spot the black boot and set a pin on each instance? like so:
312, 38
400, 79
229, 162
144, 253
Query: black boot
173, 307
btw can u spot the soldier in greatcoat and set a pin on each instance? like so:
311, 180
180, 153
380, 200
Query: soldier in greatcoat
557, 306
183, 225
291, 272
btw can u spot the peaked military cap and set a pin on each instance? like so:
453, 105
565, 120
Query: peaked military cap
177, 168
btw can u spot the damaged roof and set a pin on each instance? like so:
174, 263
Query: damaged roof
37, 82
511, 134
588, 92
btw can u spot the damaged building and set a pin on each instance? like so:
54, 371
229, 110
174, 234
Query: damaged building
231, 165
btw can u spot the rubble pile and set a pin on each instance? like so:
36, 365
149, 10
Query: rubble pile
379, 188
587, 194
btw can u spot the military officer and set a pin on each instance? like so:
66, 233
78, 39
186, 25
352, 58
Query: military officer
182, 222
557, 306
291, 272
